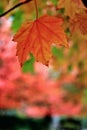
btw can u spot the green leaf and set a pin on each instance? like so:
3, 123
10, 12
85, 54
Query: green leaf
70, 67
84, 99
17, 20
29, 65
1, 9
54, 2
58, 52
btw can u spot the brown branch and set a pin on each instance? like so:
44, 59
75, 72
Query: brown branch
14, 7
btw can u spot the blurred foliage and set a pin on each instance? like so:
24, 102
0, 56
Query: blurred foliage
68, 67
28, 66
17, 19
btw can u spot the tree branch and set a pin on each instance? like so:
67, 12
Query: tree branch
14, 7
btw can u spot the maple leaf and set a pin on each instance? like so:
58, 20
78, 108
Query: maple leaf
79, 22
37, 38
79, 3
71, 6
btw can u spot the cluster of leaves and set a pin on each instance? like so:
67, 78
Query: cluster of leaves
35, 94
29, 93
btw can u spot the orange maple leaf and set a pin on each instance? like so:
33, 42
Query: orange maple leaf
37, 38
71, 6
79, 22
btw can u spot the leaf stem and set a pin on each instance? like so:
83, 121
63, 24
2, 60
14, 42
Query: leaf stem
36, 9
14, 7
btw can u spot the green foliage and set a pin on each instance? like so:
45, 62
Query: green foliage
54, 2
17, 20
81, 64
84, 99
1, 9
29, 65
74, 49
70, 67
58, 52
84, 123
71, 88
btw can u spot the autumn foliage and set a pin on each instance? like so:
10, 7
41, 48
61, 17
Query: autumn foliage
36, 38
58, 42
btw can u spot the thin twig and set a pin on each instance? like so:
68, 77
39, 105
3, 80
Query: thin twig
36, 9
14, 7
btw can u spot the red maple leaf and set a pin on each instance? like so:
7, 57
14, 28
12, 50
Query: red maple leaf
37, 38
